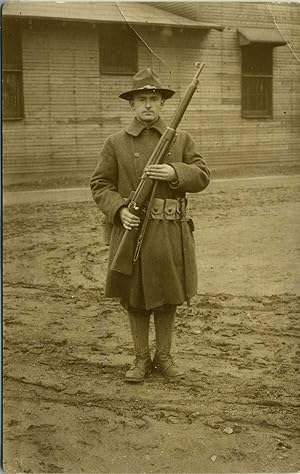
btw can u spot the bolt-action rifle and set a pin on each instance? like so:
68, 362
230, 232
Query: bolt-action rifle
129, 247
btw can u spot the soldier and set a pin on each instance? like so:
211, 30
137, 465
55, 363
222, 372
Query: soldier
165, 274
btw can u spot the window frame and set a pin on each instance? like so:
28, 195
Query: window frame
268, 93
128, 70
10, 25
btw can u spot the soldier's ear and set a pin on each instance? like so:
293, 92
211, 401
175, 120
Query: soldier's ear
163, 102
131, 103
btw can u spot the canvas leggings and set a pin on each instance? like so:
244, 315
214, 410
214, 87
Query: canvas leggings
164, 321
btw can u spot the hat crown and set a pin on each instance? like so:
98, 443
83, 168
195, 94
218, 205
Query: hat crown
146, 77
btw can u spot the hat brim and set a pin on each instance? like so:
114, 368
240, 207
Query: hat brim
166, 93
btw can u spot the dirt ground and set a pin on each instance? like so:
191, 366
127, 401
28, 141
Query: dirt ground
66, 406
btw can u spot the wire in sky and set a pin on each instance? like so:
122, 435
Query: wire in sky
280, 32
142, 39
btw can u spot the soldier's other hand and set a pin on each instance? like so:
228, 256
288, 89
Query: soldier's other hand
162, 172
129, 220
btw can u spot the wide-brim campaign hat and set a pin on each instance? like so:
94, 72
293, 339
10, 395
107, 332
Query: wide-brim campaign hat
147, 80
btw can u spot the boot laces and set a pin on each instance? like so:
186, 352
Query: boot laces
166, 359
169, 360
139, 362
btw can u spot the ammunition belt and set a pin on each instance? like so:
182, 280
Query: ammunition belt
169, 209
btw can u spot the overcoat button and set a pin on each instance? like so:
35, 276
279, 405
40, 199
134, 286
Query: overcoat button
136, 155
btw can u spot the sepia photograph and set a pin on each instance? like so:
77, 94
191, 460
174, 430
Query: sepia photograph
150, 236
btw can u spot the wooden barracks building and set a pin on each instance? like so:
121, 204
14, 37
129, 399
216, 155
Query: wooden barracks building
64, 65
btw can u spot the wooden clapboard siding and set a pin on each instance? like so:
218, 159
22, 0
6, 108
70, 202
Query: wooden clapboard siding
70, 108
227, 136
188, 9
62, 125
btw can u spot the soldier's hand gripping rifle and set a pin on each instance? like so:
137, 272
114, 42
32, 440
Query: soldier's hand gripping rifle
124, 258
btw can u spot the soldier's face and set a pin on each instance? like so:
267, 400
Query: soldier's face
147, 105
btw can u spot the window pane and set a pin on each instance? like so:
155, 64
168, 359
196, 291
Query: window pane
118, 50
257, 59
257, 94
12, 58
12, 95
257, 71
12, 69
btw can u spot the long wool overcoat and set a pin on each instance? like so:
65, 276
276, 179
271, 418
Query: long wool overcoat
166, 270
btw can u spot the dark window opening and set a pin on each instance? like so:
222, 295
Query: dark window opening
257, 74
12, 70
118, 50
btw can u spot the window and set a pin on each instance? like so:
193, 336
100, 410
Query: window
257, 70
118, 50
12, 70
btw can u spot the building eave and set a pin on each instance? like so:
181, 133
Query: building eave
135, 13
268, 36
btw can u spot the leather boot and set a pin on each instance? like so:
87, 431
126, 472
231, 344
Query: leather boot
164, 327
139, 325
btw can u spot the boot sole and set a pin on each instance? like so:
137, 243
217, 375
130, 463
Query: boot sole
174, 379
156, 368
133, 380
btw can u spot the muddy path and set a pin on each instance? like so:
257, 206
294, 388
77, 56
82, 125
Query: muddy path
66, 406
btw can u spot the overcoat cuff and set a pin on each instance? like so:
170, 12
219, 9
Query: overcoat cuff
174, 184
114, 212
191, 178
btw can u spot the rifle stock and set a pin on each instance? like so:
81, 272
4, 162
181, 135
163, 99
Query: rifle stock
123, 259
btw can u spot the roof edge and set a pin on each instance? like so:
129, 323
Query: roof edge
269, 36
14, 9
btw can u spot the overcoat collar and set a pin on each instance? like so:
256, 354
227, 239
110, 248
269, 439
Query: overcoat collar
136, 127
